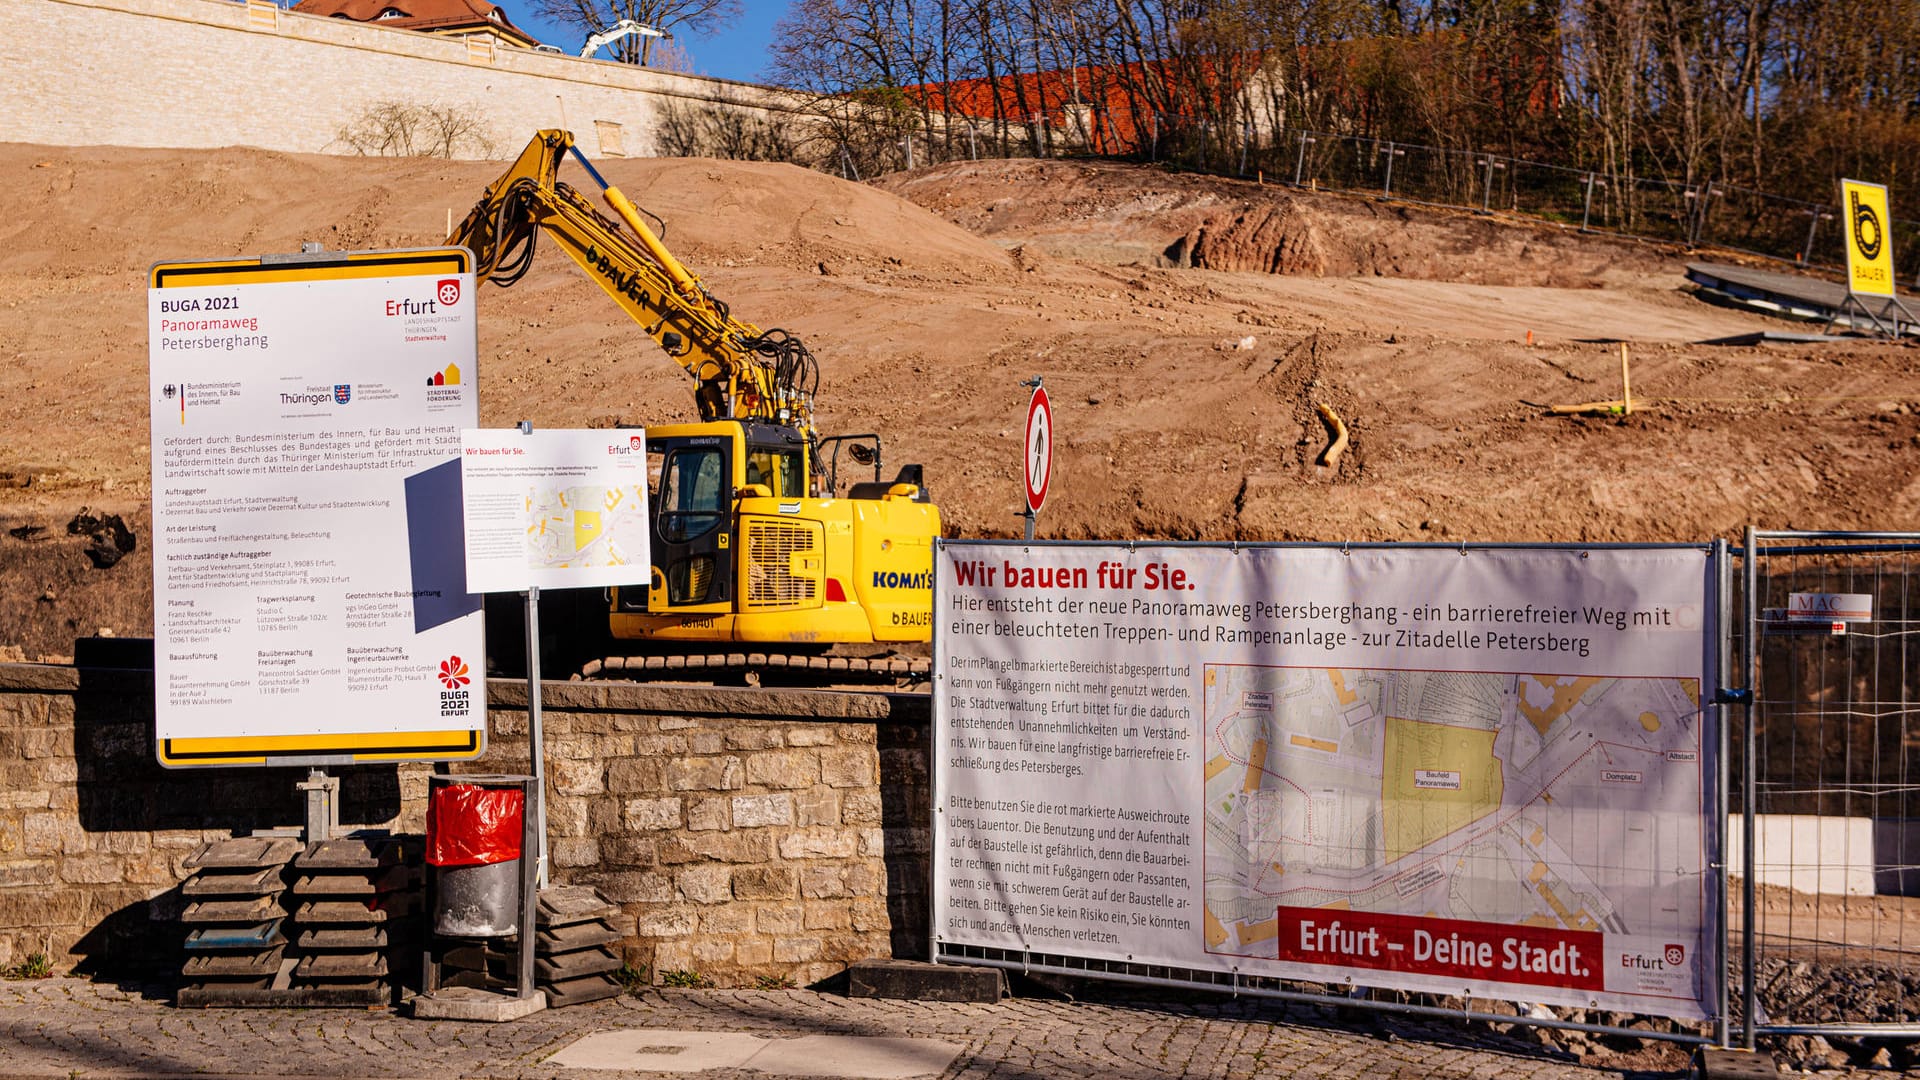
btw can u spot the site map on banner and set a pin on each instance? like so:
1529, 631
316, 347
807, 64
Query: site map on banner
1482, 773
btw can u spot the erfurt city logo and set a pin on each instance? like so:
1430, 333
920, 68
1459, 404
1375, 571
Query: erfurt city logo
448, 291
455, 699
342, 393
636, 442
1672, 956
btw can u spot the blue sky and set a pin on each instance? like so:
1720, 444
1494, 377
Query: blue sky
736, 53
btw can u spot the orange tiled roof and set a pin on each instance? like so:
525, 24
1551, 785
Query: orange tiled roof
429, 15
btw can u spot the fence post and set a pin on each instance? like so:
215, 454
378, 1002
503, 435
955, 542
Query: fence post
1155, 156
1806, 253
1386, 190
1723, 704
1486, 188
908, 144
1246, 141
1586, 209
1749, 789
1699, 223
846, 163
1300, 161
973, 148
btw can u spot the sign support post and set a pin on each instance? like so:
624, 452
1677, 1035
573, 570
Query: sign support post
323, 804
536, 733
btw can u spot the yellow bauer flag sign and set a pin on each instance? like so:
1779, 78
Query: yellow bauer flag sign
1869, 247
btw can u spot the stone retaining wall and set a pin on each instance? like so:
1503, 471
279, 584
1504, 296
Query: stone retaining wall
213, 73
752, 834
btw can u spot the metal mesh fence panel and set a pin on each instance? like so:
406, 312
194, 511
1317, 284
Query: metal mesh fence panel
1826, 800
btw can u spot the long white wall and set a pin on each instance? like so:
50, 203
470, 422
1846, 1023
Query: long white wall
213, 73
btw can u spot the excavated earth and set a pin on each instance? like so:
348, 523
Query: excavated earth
1187, 328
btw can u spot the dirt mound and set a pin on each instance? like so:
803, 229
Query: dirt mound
1185, 398
1126, 213
79, 211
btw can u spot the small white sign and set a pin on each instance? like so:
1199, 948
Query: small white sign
558, 509
1830, 607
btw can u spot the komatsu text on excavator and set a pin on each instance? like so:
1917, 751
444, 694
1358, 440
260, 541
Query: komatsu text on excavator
751, 543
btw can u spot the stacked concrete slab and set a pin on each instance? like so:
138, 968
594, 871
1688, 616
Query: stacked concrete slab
273, 922
234, 920
574, 956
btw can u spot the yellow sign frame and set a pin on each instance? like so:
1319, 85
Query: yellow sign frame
345, 747
1865, 232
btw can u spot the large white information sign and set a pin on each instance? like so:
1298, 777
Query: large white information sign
1482, 772
557, 509
308, 592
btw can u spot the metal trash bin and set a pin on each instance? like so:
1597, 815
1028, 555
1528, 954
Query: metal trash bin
476, 830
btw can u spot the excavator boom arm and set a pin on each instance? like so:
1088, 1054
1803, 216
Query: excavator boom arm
742, 373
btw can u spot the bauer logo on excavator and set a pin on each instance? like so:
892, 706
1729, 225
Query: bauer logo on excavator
624, 283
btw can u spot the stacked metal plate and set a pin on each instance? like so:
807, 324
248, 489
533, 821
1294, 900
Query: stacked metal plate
574, 956
355, 901
236, 945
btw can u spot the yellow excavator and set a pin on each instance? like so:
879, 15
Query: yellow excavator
752, 542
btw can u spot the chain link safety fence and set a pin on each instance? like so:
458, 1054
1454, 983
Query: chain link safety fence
1693, 215
1824, 829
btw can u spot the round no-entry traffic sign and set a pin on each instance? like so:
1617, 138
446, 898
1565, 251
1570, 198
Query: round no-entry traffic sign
1039, 461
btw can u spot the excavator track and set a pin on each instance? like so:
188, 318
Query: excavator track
905, 671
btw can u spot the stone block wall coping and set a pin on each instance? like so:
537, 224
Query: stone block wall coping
722, 701
841, 706
40, 678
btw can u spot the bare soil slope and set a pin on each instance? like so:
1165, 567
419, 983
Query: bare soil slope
1185, 373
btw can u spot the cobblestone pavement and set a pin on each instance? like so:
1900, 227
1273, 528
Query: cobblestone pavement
70, 1027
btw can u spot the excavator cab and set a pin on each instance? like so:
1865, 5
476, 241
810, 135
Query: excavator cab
743, 552
692, 522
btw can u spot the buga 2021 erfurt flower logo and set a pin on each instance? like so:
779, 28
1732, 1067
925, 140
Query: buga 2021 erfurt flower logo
455, 699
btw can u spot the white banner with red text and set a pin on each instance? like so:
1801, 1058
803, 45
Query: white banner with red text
1485, 772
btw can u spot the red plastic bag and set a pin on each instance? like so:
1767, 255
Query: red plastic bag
469, 825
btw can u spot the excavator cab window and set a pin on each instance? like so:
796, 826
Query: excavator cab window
692, 492
782, 471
